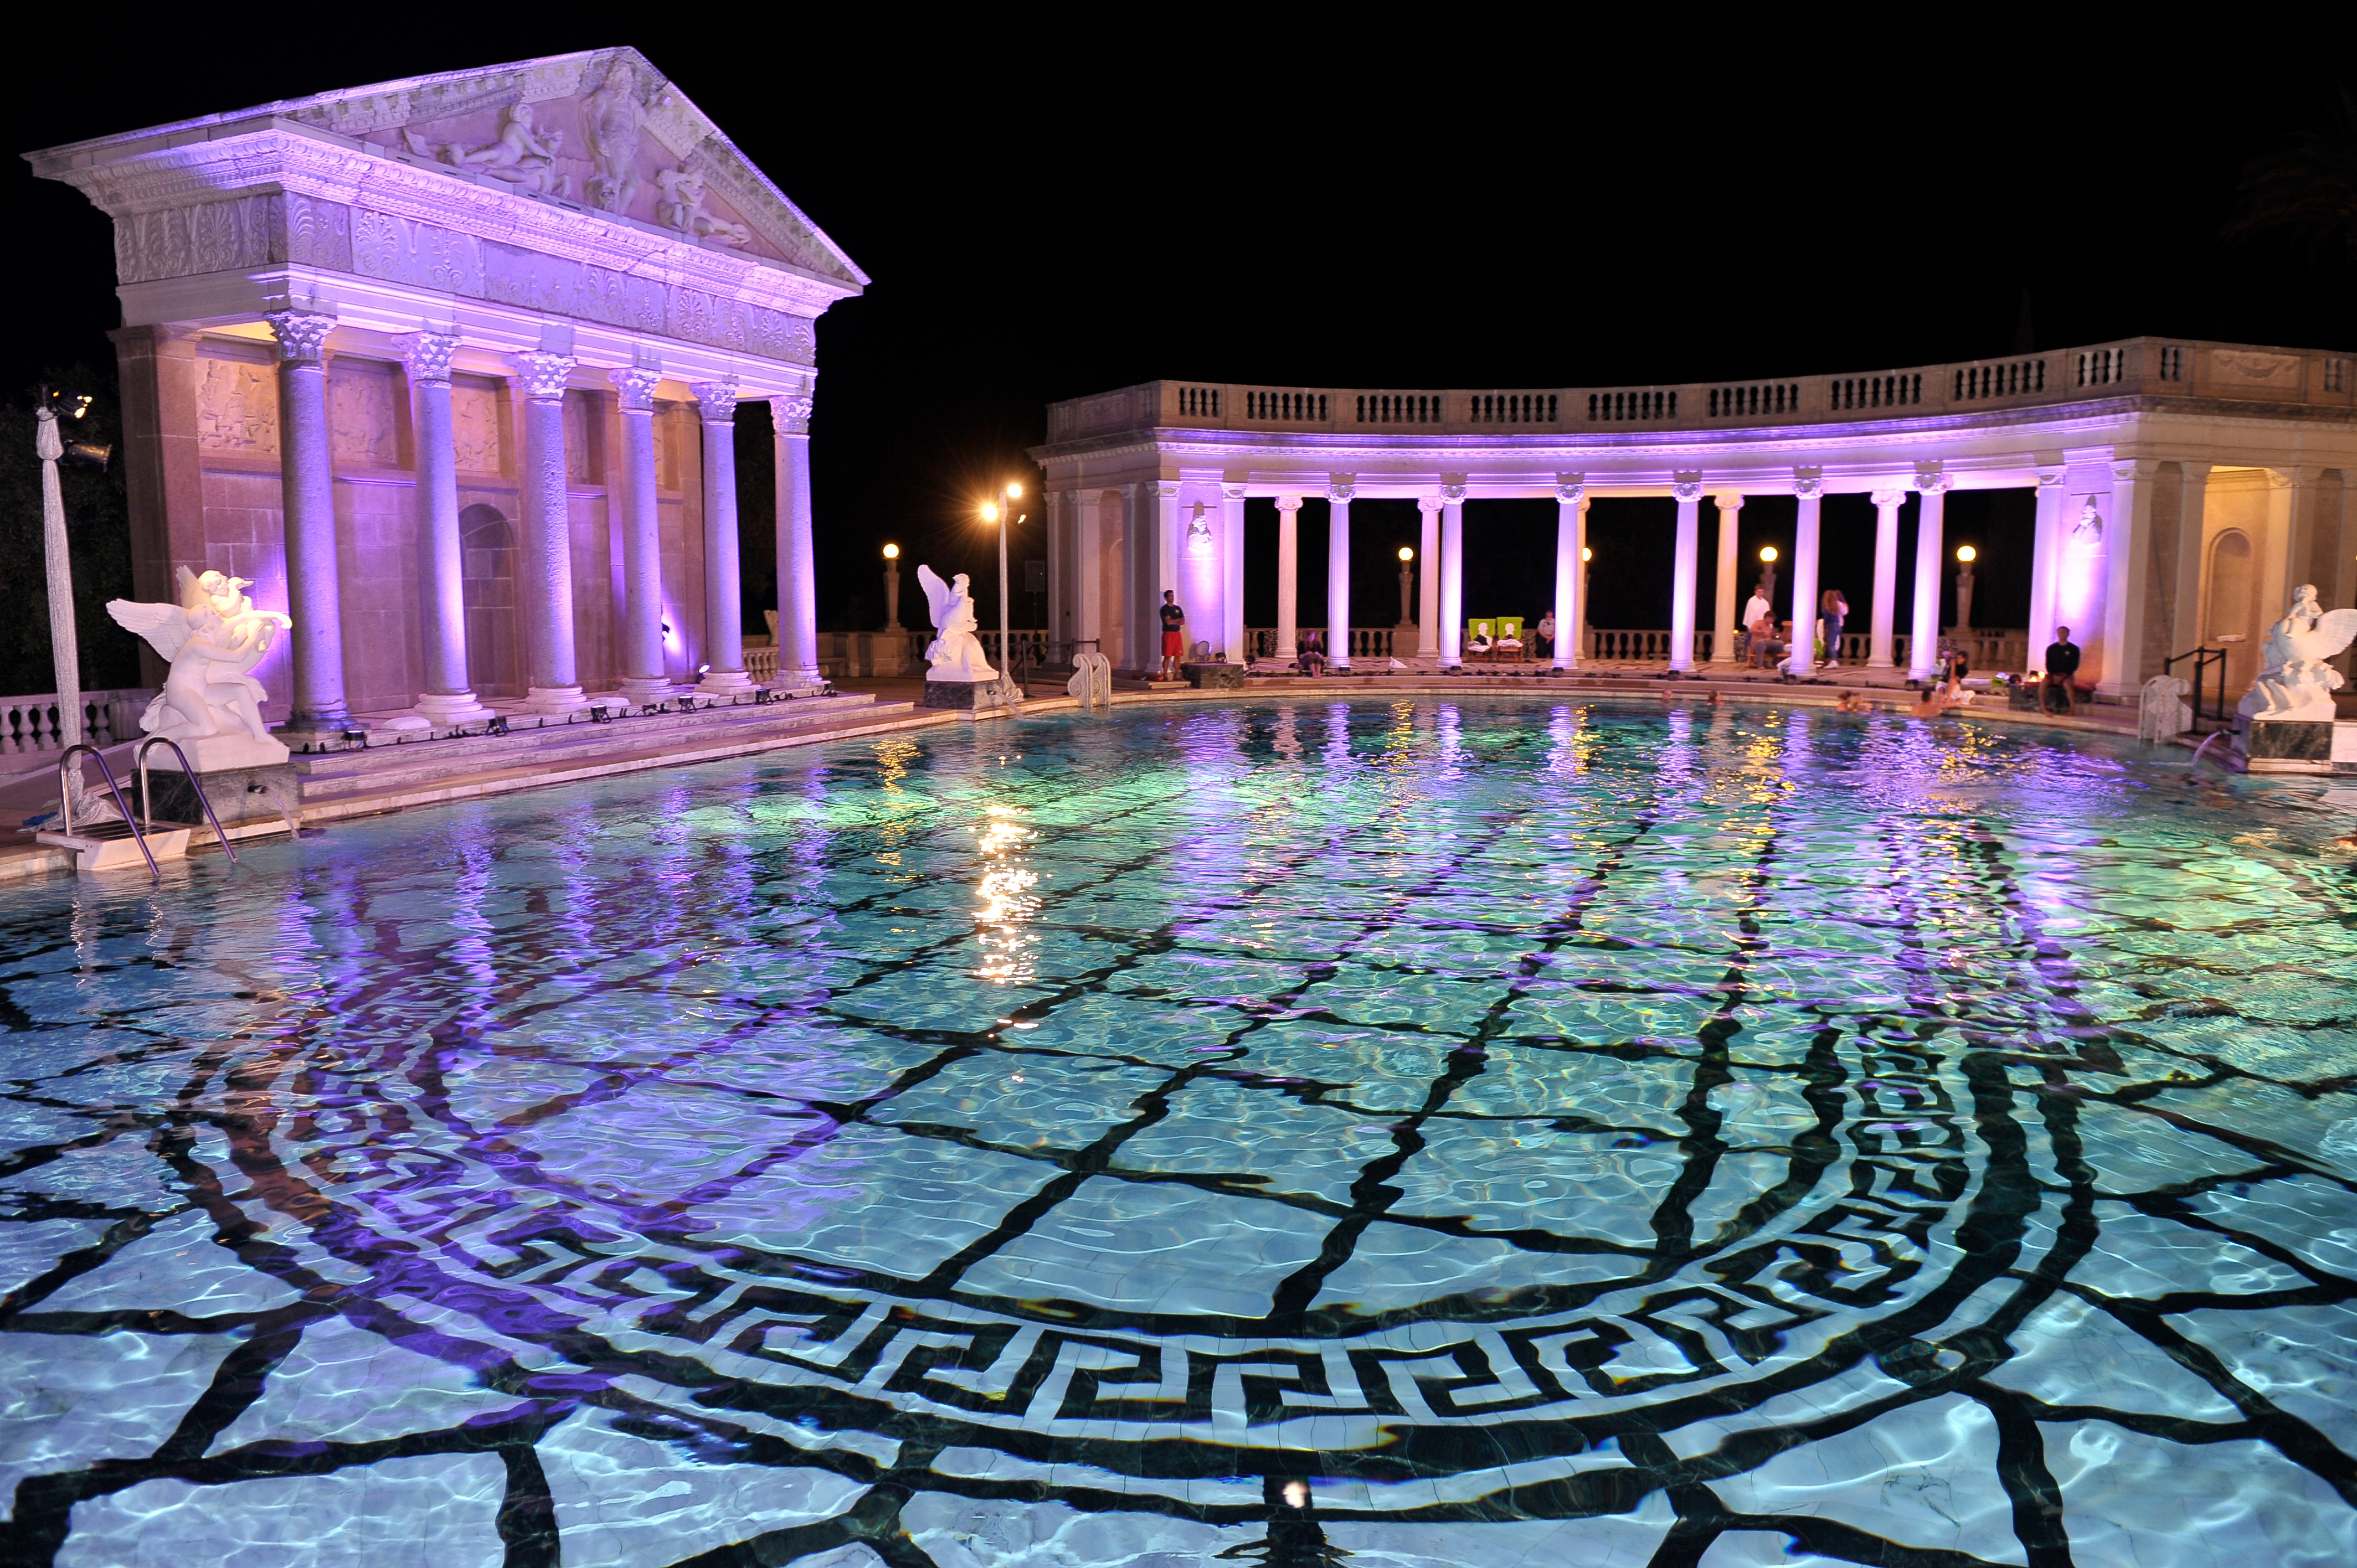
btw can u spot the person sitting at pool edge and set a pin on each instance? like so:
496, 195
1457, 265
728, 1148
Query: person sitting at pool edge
2061, 665
1765, 647
1174, 635
1309, 657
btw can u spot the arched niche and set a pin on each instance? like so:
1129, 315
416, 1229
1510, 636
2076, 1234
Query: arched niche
494, 634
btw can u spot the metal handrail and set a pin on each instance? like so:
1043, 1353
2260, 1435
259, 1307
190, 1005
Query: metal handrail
65, 792
188, 771
2203, 658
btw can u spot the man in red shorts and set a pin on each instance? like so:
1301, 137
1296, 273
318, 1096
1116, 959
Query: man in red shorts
1174, 635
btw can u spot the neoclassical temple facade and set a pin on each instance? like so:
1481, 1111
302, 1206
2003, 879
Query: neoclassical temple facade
449, 368
2184, 489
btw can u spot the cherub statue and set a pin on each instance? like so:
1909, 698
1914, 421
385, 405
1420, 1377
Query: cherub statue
680, 206
213, 637
955, 654
2297, 683
522, 154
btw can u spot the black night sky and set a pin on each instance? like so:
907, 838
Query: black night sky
1052, 204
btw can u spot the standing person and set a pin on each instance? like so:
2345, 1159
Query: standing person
2061, 668
1831, 610
1174, 635
1542, 635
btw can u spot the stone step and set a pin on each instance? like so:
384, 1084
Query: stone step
381, 794
559, 748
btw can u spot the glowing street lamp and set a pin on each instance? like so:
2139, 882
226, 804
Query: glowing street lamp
992, 513
1965, 556
1407, 584
1768, 572
891, 588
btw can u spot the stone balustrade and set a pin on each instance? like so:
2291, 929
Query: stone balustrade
1366, 642
2141, 366
30, 723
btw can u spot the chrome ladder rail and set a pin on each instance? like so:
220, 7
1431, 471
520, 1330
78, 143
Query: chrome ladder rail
188, 772
65, 792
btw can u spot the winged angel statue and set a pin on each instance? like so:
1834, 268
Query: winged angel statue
955, 654
213, 637
2297, 683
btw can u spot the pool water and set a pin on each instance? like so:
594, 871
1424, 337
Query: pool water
1391, 1134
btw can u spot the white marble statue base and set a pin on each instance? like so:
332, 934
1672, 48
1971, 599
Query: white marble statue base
723, 681
211, 753
449, 710
556, 700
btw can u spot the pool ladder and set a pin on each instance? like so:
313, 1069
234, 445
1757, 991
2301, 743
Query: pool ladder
132, 825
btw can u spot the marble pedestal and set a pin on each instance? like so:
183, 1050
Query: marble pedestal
2288, 746
1207, 677
964, 694
236, 794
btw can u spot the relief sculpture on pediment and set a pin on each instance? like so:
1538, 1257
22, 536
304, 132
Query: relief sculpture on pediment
237, 408
522, 154
680, 206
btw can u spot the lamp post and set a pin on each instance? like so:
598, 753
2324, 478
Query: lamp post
1965, 556
1768, 577
65, 649
993, 512
1407, 586
1587, 644
891, 588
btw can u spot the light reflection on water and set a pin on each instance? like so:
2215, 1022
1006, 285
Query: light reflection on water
1401, 1133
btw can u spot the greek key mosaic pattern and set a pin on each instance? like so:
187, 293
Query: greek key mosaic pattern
1406, 1134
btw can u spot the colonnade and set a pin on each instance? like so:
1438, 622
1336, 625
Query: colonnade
540, 379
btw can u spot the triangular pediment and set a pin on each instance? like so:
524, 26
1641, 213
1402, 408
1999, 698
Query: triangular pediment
603, 129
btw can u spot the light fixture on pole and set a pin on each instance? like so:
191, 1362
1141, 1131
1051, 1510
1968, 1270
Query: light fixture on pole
1965, 556
1407, 585
51, 447
1768, 572
891, 588
993, 512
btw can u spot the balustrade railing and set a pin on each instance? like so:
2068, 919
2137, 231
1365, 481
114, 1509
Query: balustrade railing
761, 664
2146, 366
1367, 642
30, 723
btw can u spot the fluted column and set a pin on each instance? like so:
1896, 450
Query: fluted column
1887, 503
447, 698
1231, 575
1930, 533
1722, 642
1452, 573
1427, 596
1339, 492
797, 578
2045, 562
1685, 567
645, 677
308, 485
1288, 578
723, 604
1808, 487
546, 580
1570, 501
1088, 573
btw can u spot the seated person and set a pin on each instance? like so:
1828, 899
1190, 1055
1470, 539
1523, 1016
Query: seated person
1311, 657
2061, 673
1953, 691
1765, 647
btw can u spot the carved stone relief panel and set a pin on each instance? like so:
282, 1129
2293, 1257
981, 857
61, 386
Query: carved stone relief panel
668, 429
404, 251
475, 424
579, 409
361, 413
213, 236
237, 406
2244, 367
318, 233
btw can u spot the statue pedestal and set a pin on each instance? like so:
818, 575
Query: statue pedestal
1206, 677
236, 794
966, 695
2291, 746
213, 753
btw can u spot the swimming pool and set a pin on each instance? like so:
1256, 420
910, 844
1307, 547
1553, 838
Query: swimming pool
1395, 1134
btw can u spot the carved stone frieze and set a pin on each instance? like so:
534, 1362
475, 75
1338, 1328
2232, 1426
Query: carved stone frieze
237, 407
213, 236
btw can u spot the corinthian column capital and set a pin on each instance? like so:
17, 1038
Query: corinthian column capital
427, 355
300, 334
1341, 487
1570, 487
715, 402
542, 374
635, 388
792, 416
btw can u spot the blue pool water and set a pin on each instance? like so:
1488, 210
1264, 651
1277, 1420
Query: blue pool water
1395, 1135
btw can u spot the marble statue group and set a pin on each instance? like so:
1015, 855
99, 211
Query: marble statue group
2296, 682
955, 654
213, 638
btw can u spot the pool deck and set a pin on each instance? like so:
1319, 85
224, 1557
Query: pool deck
436, 772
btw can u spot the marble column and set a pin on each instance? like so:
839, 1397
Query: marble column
546, 583
1288, 578
1427, 596
645, 675
1452, 574
724, 602
306, 482
1231, 575
789, 419
1570, 501
2185, 591
2046, 560
1339, 492
1931, 539
1808, 487
1884, 609
1088, 573
1722, 639
449, 699
1684, 570
2129, 659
